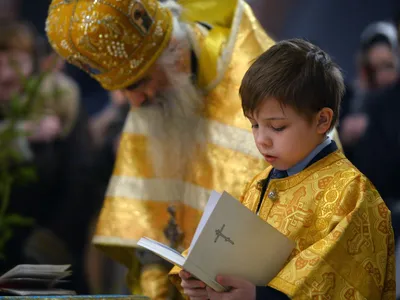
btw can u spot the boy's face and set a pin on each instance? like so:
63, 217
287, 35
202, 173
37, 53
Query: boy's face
283, 136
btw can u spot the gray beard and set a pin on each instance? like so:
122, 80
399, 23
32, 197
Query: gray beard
176, 129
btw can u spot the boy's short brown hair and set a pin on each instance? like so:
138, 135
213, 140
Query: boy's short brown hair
296, 73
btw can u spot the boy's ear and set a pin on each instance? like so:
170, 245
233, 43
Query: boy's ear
324, 120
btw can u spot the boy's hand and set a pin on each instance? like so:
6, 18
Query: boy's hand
240, 289
193, 288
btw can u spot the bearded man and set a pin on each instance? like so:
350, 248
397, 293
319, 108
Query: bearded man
180, 64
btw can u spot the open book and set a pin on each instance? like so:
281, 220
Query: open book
35, 280
229, 240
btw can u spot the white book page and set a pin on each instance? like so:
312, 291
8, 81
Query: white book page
169, 254
211, 203
163, 246
242, 246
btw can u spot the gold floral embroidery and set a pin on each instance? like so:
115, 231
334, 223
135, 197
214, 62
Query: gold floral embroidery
114, 41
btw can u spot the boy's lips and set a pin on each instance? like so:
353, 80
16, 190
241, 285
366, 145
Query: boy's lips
269, 158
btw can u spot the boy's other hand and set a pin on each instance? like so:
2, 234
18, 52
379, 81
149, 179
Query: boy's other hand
240, 289
193, 288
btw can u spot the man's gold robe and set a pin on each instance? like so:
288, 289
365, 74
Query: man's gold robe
341, 226
134, 207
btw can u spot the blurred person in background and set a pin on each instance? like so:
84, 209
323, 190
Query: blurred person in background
9, 9
377, 154
378, 67
57, 146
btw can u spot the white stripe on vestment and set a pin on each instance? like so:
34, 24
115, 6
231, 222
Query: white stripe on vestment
115, 241
220, 134
153, 189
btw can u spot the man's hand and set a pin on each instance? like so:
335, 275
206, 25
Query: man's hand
353, 128
240, 289
193, 288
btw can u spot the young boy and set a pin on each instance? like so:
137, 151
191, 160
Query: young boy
311, 192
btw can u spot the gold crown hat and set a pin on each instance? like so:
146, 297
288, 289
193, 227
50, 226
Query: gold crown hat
115, 41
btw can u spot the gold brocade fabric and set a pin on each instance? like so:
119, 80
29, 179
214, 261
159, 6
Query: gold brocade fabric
342, 229
155, 281
114, 41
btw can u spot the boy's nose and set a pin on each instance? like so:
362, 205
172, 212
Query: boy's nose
264, 141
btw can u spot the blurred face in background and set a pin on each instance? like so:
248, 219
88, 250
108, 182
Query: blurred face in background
13, 65
384, 62
380, 68
17, 48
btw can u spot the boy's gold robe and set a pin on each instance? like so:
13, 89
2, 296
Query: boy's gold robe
342, 229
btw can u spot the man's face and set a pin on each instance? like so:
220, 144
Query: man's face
173, 124
13, 63
145, 90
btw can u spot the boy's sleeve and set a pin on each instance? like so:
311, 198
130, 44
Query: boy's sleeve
355, 260
266, 292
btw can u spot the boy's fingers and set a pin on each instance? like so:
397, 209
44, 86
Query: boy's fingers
192, 284
230, 281
196, 293
211, 293
184, 275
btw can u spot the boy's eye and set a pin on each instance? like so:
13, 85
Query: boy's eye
278, 128
254, 126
